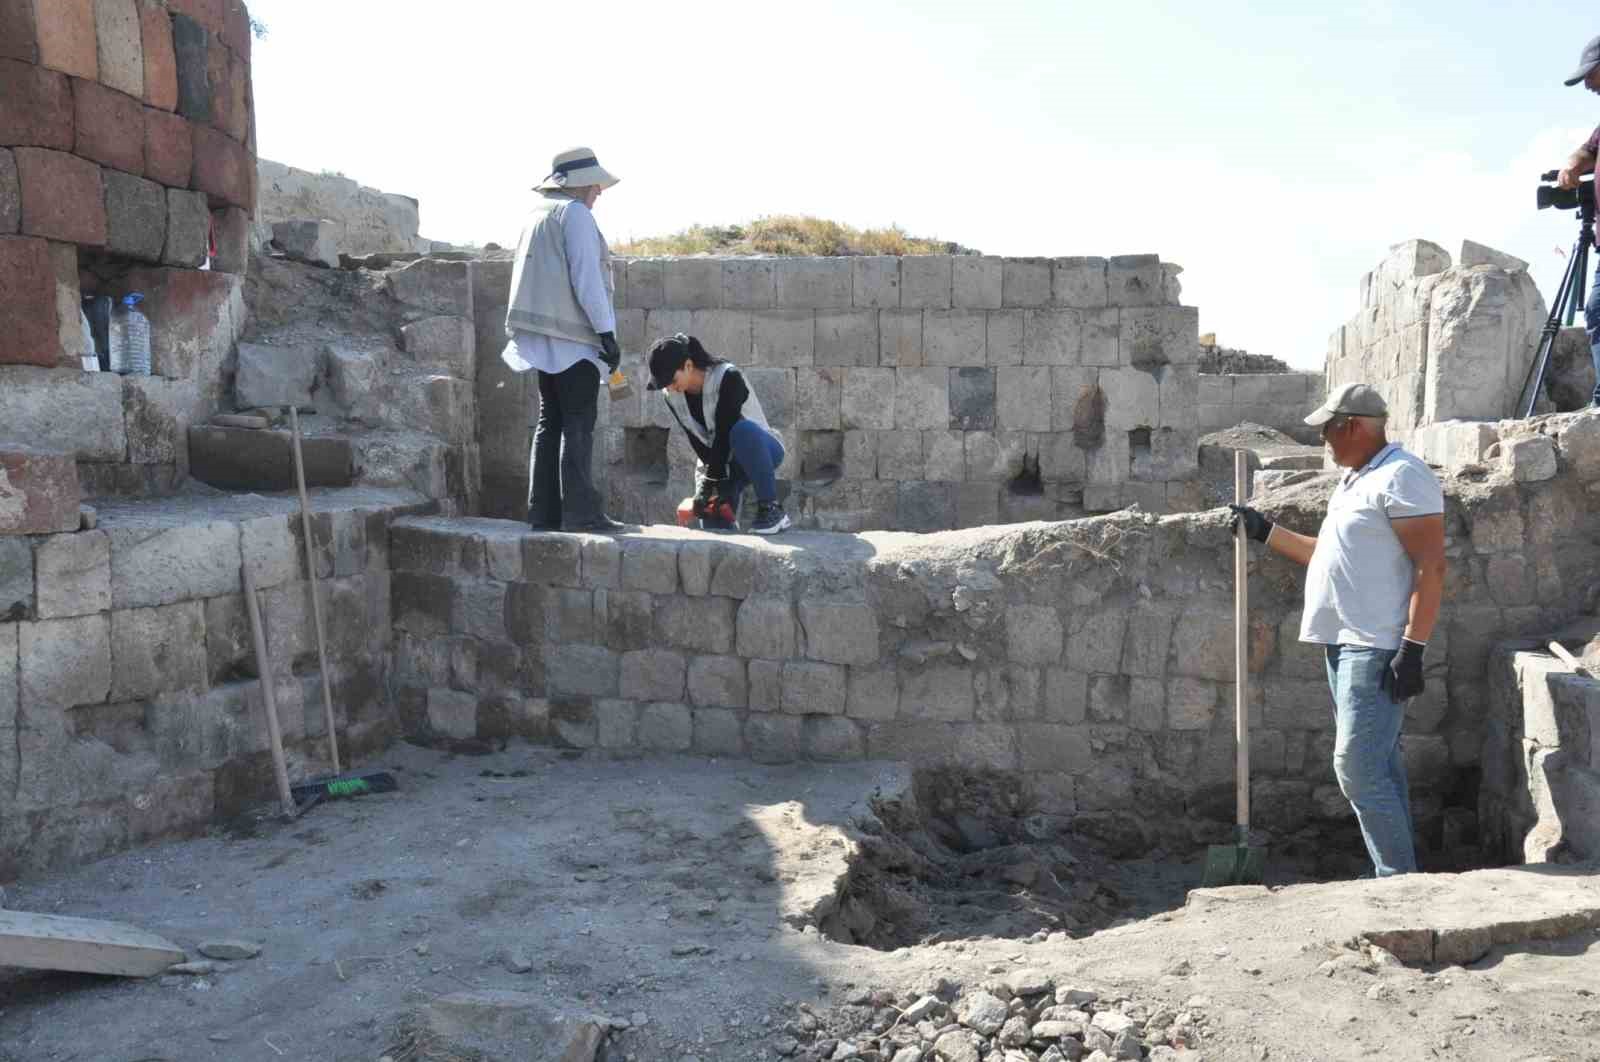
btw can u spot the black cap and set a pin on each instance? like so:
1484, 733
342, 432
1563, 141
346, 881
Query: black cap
665, 358
1587, 62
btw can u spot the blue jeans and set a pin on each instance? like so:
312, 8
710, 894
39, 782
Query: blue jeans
757, 453
1366, 755
1591, 322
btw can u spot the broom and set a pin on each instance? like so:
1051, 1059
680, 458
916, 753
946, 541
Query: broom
1238, 863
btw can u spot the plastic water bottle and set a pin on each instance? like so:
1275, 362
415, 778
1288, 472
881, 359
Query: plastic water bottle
130, 337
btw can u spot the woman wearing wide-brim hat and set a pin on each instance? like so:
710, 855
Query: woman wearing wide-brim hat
563, 326
717, 409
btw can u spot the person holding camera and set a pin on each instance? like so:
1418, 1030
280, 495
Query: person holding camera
1374, 579
722, 417
562, 326
1585, 160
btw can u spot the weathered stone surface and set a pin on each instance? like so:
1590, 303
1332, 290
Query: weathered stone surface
582, 670
954, 337
252, 459
159, 59
976, 283
1033, 634
453, 714
62, 197
29, 332
157, 650
65, 662
811, 688
66, 410
188, 229
813, 283
697, 624
38, 491
1529, 458
839, 633
74, 575
275, 376
136, 216
366, 221
162, 565
223, 168
817, 393
168, 148
652, 675
922, 398
766, 629
67, 37
119, 46
16, 579
38, 109
665, 728
309, 240
10, 195
110, 126
717, 682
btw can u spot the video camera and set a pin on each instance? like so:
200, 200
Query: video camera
1579, 198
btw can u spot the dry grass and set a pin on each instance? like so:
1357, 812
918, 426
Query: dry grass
789, 235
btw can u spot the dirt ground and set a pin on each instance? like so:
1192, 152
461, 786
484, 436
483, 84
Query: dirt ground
681, 898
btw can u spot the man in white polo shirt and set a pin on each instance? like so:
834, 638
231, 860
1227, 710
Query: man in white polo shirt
1374, 579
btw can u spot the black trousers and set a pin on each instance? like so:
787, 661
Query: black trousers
560, 481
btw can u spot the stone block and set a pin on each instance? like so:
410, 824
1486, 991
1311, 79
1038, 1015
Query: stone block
616, 724
925, 507
16, 580
1052, 337
29, 332
812, 688
62, 197
718, 732
229, 113
159, 60
873, 693
766, 629
900, 338
191, 50
161, 565
772, 738
1025, 282
1133, 399
119, 46
60, 409
866, 398
1169, 335
1101, 331
309, 240
839, 633
1191, 704
954, 337
937, 692
223, 169
814, 283
900, 455
1048, 747
1023, 398
1477, 254
275, 376
168, 148
73, 573
652, 675
581, 671
650, 565
976, 283
776, 389
944, 458
665, 728
110, 127
155, 412
1033, 634
188, 229
646, 283
1135, 280
749, 284
691, 283
67, 39
784, 338
36, 107
443, 340
922, 398
252, 459
1529, 458
725, 333
832, 739
717, 682
136, 217
1079, 283
19, 33
860, 455
231, 229
977, 505
972, 399
64, 662
1004, 335
453, 714
10, 195
696, 624
1066, 695
158, 650
817, 398
925, 281
876, 282
849, 338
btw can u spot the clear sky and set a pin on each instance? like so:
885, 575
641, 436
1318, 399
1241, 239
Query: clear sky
1273, 151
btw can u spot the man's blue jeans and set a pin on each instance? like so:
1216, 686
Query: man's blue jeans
1591, 321
1366, 755
757, 453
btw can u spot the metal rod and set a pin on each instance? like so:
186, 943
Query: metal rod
316, 600
1241, 648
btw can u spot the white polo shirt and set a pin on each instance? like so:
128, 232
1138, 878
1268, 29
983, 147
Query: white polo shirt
1359, 581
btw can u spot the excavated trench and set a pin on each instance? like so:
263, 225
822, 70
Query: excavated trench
969, 857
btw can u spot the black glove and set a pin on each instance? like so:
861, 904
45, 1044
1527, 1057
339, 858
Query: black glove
610, 353
1256, 526
1404, 680
707, 491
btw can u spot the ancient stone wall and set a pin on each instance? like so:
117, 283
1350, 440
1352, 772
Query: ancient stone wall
915, 393
366, 221
126, 140
1440, 340
1094, 657
1278, 400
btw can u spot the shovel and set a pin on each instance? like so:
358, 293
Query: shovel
1238, 863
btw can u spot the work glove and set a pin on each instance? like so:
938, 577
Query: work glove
1404, 680
706, 492
1256, 526
610, 353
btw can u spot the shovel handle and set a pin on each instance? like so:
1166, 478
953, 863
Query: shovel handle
1241, 647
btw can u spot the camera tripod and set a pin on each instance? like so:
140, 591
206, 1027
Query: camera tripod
1568, 303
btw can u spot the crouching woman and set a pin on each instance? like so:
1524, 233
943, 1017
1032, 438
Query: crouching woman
714, 405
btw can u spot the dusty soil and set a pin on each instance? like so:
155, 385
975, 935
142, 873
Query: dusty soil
692, 900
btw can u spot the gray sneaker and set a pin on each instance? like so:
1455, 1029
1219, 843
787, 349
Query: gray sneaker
770, 519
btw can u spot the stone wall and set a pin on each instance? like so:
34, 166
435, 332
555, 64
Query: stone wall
1278, 400
130, 701
1441, 340
1094, 657
366, 221
915, 393
126, 133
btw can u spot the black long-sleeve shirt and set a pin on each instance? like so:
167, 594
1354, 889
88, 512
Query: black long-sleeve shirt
729, 411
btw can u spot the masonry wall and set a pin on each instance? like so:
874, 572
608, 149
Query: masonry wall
915, 393
126, 133
1441, 340
1278, 400
1093, 657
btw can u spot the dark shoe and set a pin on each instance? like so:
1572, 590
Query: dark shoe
541, 526
601, 526
770, 519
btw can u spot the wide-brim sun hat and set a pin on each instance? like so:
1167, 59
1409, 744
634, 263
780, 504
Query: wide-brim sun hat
577, 168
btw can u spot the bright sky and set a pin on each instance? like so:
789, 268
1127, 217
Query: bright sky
1273, 154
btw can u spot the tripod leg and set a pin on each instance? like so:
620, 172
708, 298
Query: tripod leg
1568, 297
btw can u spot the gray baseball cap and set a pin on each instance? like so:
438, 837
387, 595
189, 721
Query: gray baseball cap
1586, 62
1349, 400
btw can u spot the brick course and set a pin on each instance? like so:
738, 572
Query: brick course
35, 107
168, 148
62, 197
110, 127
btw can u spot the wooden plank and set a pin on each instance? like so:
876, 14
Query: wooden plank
83, 945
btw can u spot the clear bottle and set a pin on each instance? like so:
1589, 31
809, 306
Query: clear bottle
130, 337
